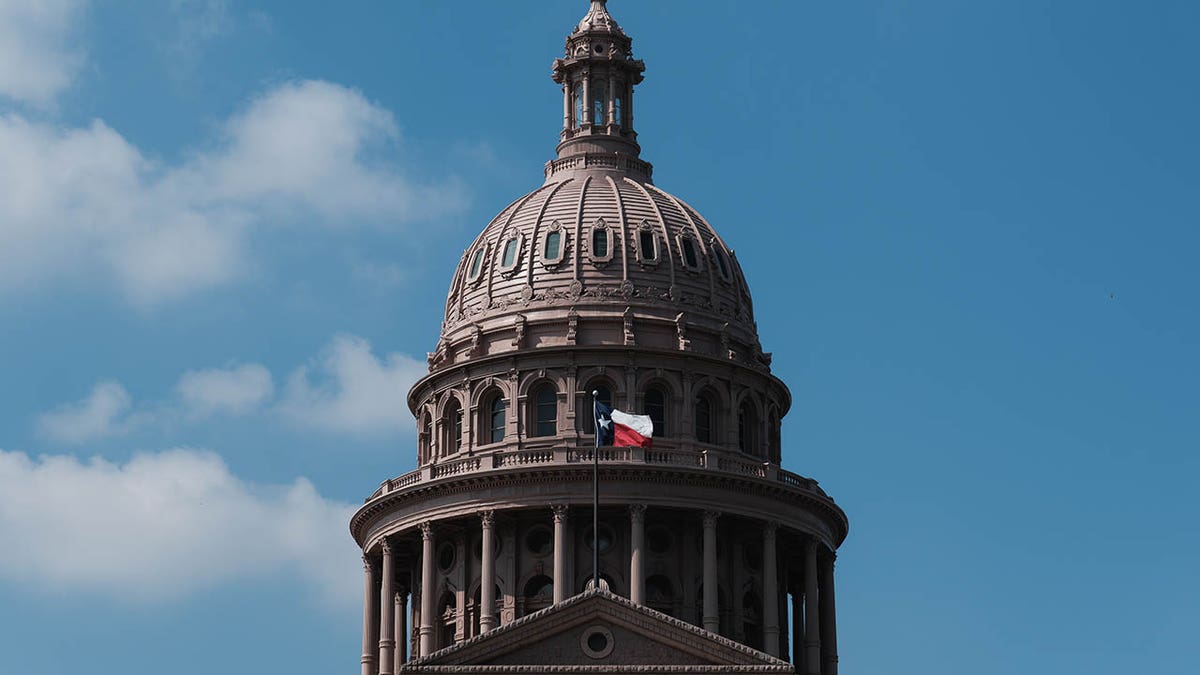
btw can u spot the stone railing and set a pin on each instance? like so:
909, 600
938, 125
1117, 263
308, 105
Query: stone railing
704, 460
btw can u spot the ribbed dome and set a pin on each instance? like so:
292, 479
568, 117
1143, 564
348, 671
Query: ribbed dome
603, 243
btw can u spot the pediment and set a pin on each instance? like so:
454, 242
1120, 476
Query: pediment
603, 632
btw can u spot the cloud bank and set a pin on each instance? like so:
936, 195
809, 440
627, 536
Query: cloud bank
84, 201
166, 525
346, 389
36, 61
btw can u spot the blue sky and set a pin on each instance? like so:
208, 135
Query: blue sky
227, 228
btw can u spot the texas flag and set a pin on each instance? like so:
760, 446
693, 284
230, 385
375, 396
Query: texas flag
614, 427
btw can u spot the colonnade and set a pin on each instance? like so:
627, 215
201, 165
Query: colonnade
814, 632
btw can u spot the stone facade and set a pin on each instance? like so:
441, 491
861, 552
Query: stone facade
600, 283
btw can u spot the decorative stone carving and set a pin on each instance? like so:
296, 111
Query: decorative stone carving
681, 332
630, 338
426, 530
572, 325
476, 340
561, 512
519, 334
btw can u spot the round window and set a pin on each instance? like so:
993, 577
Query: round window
752, 555
604, 541
659, 540
445, 557
596, 641
539, 541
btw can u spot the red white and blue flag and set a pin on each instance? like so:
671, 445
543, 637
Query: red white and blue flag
614, 427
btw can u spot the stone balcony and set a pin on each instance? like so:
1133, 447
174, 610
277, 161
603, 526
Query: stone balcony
701, 460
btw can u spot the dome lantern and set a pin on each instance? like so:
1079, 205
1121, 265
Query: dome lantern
598, 73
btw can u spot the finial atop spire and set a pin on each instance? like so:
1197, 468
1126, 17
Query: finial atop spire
598, 19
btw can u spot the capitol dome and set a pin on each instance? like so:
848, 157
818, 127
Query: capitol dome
598, 287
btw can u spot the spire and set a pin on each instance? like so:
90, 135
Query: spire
597, 73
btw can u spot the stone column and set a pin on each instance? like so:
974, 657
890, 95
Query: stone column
829, 657
487, 587
797, 630
566, 103
587, 98
712, 616
812, 625
387, 635
637, 538
428, 589
770, 599
368, 647
560, 552
610, 105
401, 630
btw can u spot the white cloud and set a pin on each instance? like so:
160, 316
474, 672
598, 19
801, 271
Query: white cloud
352, 391
84, 201
234, 391
166, 525
36, 62
104, 413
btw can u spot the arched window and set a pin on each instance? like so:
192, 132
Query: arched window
747, 429
426, 439
774, 442
599, 102
656, 408
545, 411
618, 113
538, 593
752, 620
448, 613
660, 594
704, 420
453, 421
604, 395
495, 418
578, 104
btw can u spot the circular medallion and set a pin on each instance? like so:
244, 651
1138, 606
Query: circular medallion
596, 641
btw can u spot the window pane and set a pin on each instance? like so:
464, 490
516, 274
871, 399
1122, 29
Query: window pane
703, 421
647, 243
476, 264
656, 408
578, 104
510, 253
617, 116
546, 412
689, 251
599, 101
604, 395
724, 264
497, 420
553, 243
600, 243
746, 428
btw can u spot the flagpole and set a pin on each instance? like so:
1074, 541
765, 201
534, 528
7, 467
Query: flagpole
596, 495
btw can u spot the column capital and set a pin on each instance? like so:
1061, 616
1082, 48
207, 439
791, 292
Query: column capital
710, 518
385, 547
561, 512
368, 565
769, 529
398, 598
488, 518
637, 512
812, 546
426, 530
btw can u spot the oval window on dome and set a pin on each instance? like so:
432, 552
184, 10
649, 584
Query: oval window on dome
476, 266
552, 244
723, 265
510, 255
647, 246
689, 253
601, 249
